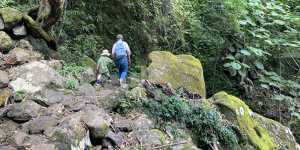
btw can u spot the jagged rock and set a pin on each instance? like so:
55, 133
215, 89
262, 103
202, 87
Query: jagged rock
23, 139
5, 94
33, 77
7, 147
98, 127
55, 64
40, 124
6, 42
71, 132
48, 97
258, 131
10, 128
10, 17
3, 79
19, 31
116, 139
180, 71
43, 147
56, 110
24, 44
22, 56
22, 112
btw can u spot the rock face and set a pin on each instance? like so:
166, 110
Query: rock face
22, 56
260, 132
10, 17
3, 79
181, 71
34, 76
5, 41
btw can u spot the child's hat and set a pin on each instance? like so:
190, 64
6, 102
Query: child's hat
105, 52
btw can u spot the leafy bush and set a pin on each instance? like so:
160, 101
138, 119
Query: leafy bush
72, 73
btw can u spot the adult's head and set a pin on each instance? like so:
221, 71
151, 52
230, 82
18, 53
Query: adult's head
120, 37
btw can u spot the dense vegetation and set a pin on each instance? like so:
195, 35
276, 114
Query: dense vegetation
250, 48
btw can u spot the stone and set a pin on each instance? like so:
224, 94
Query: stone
24, 111
88, 62
34, 76
96, 124
43, 147
71, 132
10, 17
258, 131
48, 97
5, 94
23, 139
282, 135
186, 146
151, 138
6, 43
87, 76
87, 92
19, 31
123, 125
40, 124
3, 79
142, 123
24, 44
178, 70
2, 136
7, 147
116, 139
24, 56
55, 64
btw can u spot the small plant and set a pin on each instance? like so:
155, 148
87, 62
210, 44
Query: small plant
72, 73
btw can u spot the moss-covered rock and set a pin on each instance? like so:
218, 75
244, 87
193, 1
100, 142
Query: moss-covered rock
4, 95
6, 43
136, 93
281, 135
180, 71
88, 62
239, 113
10, 17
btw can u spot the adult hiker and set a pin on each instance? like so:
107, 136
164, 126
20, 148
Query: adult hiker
121, 54
104, 64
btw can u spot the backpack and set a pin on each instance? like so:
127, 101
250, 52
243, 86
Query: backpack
120, 50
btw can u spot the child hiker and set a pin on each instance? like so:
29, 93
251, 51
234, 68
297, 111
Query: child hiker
104, 63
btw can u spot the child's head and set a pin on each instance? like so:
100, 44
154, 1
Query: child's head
105, 53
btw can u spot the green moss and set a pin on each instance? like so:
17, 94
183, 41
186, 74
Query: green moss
10, 17
88, 62
255, 133
181, 71
6, 42
296, 22
189, 147
162, 136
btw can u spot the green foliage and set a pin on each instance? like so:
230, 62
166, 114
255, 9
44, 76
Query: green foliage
173, 112
6, 3
72, 73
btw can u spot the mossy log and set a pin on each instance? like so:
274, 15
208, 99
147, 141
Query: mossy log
37, 31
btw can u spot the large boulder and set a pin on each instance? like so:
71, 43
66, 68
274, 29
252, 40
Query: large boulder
178, 70
6, 42
256, 130
71, 132
23, 112
33, 77
22, 56
10, 17
5, 94
40, 124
